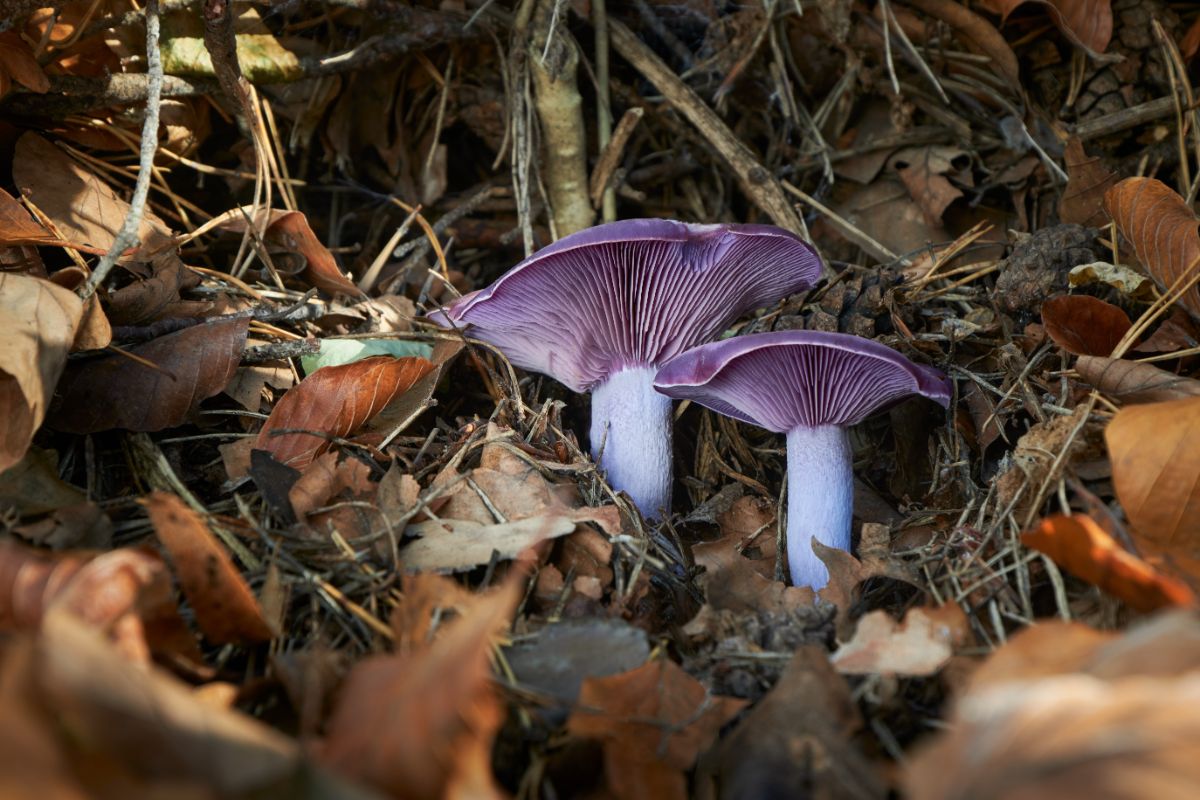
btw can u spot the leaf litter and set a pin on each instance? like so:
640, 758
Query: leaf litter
266, 530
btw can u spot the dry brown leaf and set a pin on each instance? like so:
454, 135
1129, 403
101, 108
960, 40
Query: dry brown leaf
38, 320
335, 402
1162, 229
138, 719
291, 230
654, 722
226, 610
324, 479
798, 741
980, 34
116, 391
1084, 325
921, 644
1080, 546
1190, 43
420, 725
1063, 711
1088, 180
456, 545
1155, 452
1087, 23
1135, 382
16, 226
84, 208
922, 171
18, 63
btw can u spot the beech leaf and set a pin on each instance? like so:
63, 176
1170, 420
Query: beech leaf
116, 391
335, 402
1084, 325
1162, 229
1135, 382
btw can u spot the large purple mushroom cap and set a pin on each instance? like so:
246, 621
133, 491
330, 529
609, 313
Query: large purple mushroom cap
781, 380
811, 386
633, 293
601, 309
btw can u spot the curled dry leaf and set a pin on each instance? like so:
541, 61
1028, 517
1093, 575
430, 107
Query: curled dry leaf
1082, 202
1084, 325
109, 591
1155, 452
292, 231
335, 402
38, 320
18, 63
420, 725
1080, 546
653, 722
226, 609
1087, 23
980, 34
1162, 229
1135, 382
921, 644
116, 391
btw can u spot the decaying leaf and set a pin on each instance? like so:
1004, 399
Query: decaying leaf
1155, 452
38, 320
450, 545
980, 35
1114, 719
921, 644
291, 230
1084, 325
1122, 278
18, 63
335, 402
226, 609
420, 725
1087, 23
1082, 202
1162, 229
1080, 546
654, 722
116, 391
1135, 382
796, 742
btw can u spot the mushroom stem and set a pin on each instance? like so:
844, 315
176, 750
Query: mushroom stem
631, 438
820, 498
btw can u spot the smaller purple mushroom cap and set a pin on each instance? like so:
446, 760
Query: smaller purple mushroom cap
631, 294
788, 379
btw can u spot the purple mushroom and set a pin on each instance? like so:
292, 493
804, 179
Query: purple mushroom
601, 309
811, 386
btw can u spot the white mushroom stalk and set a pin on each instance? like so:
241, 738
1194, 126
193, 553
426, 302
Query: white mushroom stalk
811, 386
602, 309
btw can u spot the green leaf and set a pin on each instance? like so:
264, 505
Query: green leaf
335, 352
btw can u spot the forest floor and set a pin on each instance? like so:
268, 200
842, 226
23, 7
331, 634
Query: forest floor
266, 531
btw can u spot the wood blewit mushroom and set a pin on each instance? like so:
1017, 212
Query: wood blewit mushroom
601, 309
810, 386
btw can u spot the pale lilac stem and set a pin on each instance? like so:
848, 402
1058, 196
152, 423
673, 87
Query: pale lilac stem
820, 499
631, 438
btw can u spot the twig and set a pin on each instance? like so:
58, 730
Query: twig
128, 235
756, 181
604, 113
610, 156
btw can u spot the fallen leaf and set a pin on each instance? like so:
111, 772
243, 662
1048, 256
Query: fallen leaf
1082, 201
261, 56
336, 352
796, 742
335, 402
84, 208
417, 724
1087, 23
456, 545
291, 230
16, 226
653, 722
32, 485
18, 63
1190, 43
1112, 716
324, 479
1124, 279
1084, 325
1155, 452
116, 391
919, 645
922, 171
226, 610
1162, 229
1133, 381
1080, 546
978, 33
39, 320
